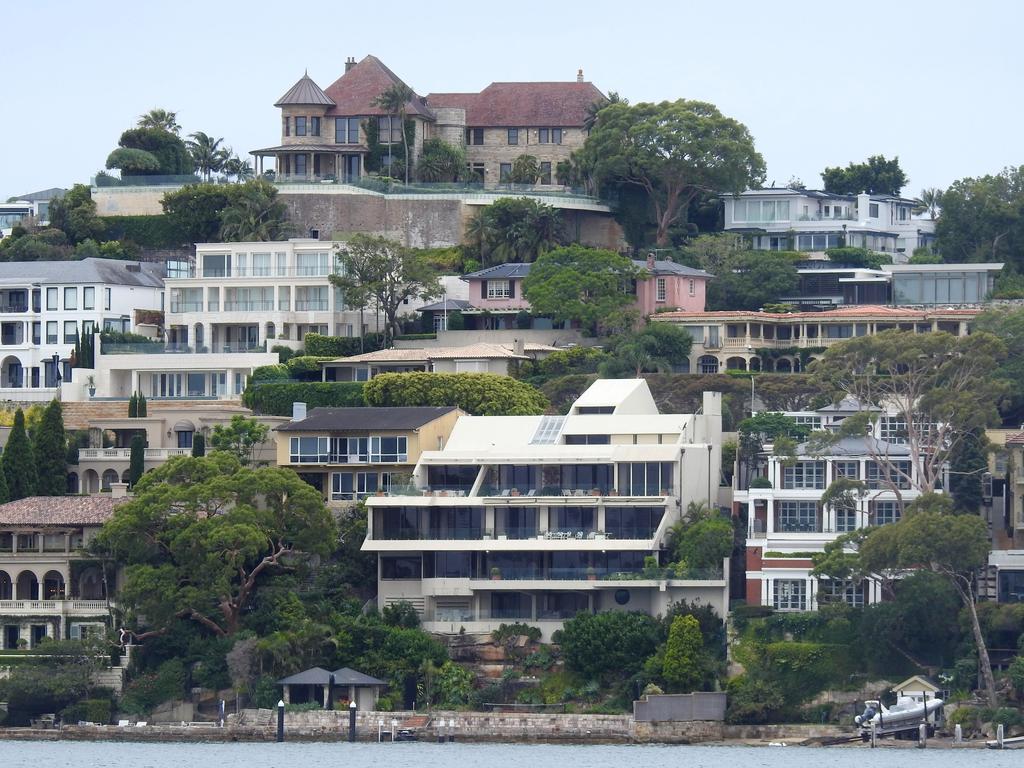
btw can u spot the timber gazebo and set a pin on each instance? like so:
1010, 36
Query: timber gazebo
312, 685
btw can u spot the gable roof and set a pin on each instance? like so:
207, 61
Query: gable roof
522, 105
353, 418
312, 676
91, 270
917, 683
348, 676
354, 92
513, 269
666, 267
305, 91
59, 510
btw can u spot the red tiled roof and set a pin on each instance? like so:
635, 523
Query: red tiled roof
354, 92
59, 510
867, 310
523, 105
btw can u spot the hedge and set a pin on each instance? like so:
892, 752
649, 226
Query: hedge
480, 394
152, 231
319, 345
271, 372
306, 367
275, 399
88, 711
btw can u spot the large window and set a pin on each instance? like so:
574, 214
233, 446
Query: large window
313, 264
448, 565
314, 126
351, 485
462, 523
396, 523
887, 512
549, 136
850, 469
760, 210
70, 331
452, 477
573, 520
51, 331
632, 522
646, 479
217, 265
389, 130
499, 289
309, 450
400, 568
261, 265
346, 130
789, 594
881, 477
892, 429
516, 522
513, 136
89, 297
838, 591
545, 172
798, 517
804, 474
387, 450
819, 242
51, 298
475, 136
300, 165
660, 289
300, 126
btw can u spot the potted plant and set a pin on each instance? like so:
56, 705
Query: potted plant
495, 573
90, 382
591, 573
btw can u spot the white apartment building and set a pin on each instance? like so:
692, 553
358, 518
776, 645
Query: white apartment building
249, 296
787, 522
786, 219
536, 518
46, 305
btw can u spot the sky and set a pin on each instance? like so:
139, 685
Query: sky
935, 82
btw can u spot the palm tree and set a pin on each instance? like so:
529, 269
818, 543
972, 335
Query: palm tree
239, 168
207, 153
394, 101
591, 117
930, 201
161, 119
255, 215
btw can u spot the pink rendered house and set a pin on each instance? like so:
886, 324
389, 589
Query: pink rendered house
670, 285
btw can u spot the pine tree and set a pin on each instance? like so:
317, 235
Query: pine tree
78, 350
684, 652
143, 409
50, 451
133, 406
4, 495
198, 445
18, 462
136, 460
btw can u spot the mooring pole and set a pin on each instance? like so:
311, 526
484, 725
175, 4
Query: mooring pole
922, 736
958, 734
873, 735
280, 721
352, 721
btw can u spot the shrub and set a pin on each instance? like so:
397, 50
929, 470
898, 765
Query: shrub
275, 399
147, 691
480, 394
150, 231
271, 372
306, 367
751, 700
572, 360
611, 644
454, 685
284, 354
704, 544
341, 346
518, 629
400, 614
87, 710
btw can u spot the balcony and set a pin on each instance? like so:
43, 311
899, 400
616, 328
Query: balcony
248, 306
186, 306
124, 454
50, 607
310, 306
159, 348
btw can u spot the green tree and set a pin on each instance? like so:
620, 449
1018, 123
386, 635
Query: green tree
160, 119
50, 452
168, 148
513, 229
704, 544
143, 406
578, 284
386, 271
133, 162
609, 645
202, 535
1007, 324
75, 215
525, 170
876, 176
670, 151
241, 437
208, 156
595, 107
940, 385
858, 257
19, 464
441, 161
395, 101
196, 210
658, 346
967, 463
54, 676
479, 394
767, 427
982, 219
750, 279
254, 214
239, 168
929, 202
136, 459
199, 445
684, 651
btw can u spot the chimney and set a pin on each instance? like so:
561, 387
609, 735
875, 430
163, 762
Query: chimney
119, 490
579, 75
350, 62
518, 347
650, 262
298, 411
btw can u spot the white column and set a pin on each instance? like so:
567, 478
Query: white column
229, 378
769, 525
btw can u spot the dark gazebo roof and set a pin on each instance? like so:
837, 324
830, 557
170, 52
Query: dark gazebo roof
304, 92
342, 677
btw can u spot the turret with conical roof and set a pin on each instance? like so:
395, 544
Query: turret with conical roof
305, 92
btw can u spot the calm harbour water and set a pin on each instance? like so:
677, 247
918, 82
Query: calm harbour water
72, 754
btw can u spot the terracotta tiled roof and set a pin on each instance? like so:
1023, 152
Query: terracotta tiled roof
305, 91
354, 92
59, 510
866, 311
523, 105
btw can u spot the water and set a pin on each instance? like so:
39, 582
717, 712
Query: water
76, 754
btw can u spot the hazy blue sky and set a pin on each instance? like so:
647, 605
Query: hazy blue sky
936, 82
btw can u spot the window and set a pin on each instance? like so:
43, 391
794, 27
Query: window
814, 422
846, 517
789, 594
545, 172
400, 568
588, 439
850, 469
88, 327
184, 438
314, 126
884, 478
309, 450
346, 130
282, 263
389, 449
892, 429
261, 264
89, 298
836, 591
498, 289
873, 210
300, 126
760, 210
549, 136
51, 332
313, 264
351, 485
513, 136
817, 242
645, 479
504, 171
660, 289
475, 136
51, 298
708, 364
798, 516
300, 165
106, 299
693, 287
887, 512
70, 331
286, 122
804, 474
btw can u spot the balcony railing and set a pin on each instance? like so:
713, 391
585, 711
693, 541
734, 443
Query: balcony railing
310, 306
152, 454
248, 306
186, 306
157, 348
37, 607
